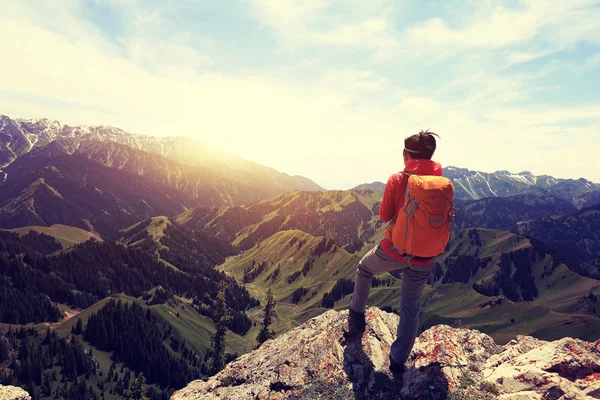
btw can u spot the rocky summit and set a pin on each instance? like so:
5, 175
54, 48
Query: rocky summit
314, 362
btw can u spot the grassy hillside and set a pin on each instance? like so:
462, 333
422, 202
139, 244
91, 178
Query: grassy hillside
562, 303
502, 255
290, 260
507, 212
343, 216
67, 236
196, 329
153, 229
188, 327
44, 190
176, 246
575, 236
63, 328
459, 305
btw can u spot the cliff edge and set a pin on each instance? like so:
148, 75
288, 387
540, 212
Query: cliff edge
314, 362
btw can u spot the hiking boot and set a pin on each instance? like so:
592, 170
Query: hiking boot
356, 324
396, 367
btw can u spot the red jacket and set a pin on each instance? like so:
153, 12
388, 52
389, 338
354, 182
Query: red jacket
393, 200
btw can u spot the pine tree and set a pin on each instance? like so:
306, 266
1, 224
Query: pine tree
4, 349
221, 319
138, 389
266, 333
47, 384
78, 328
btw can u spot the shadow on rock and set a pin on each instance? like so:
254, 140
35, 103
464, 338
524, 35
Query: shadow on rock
425, 383
367, 383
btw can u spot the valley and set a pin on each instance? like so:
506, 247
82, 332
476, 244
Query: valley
100, 228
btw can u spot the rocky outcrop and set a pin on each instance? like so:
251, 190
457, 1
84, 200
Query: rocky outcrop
313, 361
13, 393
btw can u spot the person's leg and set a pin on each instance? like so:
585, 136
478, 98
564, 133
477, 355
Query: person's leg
362, 283
374, 263
413, 282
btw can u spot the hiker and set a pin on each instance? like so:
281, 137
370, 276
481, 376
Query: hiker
419, 229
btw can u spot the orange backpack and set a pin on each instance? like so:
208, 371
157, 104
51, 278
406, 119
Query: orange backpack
422, 228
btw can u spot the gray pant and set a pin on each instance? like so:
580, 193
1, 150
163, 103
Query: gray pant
413, 281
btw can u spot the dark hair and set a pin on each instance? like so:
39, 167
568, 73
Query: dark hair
421, 145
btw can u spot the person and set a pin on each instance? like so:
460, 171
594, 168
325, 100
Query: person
385, 257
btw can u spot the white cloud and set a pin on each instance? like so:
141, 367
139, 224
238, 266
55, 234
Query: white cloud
165, 57
372, 33
559, 23
522, 57
300, 23
591, 63
342, 125
354, 79
544, 116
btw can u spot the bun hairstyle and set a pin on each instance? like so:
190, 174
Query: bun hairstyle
422, 145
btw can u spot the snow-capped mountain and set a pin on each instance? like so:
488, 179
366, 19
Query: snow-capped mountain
474, 185
20, 136
477, 185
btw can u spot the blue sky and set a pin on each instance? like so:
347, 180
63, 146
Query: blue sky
323, 88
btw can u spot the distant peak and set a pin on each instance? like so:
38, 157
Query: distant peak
453, 168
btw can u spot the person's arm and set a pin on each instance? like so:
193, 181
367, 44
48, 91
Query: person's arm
387, 211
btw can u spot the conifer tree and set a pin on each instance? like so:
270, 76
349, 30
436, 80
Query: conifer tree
266, 333
138, 389
221, 319
78, 328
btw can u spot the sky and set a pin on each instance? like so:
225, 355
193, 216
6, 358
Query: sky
327, 89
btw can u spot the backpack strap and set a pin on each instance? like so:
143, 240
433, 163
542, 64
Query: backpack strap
409, 213
452, 217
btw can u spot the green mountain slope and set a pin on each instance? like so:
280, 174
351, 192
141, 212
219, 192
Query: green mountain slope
346, 217
189, 250
58, 291
72, 190
507, 212
500, 263
491, 280
208, 186
290, 260
576, 237
67, 236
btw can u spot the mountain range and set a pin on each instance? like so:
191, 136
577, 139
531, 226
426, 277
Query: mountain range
21, 136
73, 190
343, 216
507, 212
575, 236
107, 238
474, 185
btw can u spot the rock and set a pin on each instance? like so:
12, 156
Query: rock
563, 369
313, 361
13, 393
455, 356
